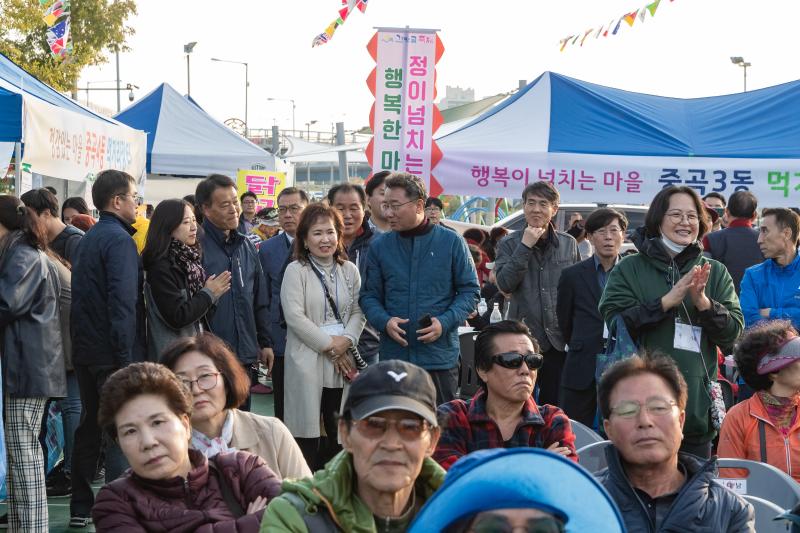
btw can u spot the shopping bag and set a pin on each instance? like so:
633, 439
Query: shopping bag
620, 346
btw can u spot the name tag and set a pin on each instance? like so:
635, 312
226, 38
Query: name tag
334, 329
605, 330
687, 337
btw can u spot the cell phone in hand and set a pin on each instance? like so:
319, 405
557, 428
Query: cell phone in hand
425, 321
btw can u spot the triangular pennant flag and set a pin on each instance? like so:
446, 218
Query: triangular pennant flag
599, 31
616, 28
630, 18
575, 40
642, 14
343, 13
585, 35
653, 7
564, 42
605, 33
362, 5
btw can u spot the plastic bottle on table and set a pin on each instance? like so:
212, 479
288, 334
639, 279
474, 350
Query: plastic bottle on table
496, 316
482, 307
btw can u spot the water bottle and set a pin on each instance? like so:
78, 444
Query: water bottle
482, 308
496, 315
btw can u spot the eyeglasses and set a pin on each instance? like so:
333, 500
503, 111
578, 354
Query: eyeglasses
677, 217
497, 523
204, 381
514, 360
396, 207
375, 427
654, 406
432, 210
293, 209
136, 197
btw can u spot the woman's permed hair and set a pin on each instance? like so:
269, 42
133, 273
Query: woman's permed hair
137, 380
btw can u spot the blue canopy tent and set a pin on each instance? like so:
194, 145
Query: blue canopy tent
598, 143
184, 140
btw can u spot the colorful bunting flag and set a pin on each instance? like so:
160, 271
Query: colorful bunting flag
653, 7
57, 37
55, 12
344, 12
629, 18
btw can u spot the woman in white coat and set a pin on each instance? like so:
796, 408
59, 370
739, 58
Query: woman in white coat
319, 296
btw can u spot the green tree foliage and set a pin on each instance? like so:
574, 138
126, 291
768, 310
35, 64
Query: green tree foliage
97, 26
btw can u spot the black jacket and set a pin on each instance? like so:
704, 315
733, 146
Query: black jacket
170, 288
580, 323
737, 248
66, 243
30, 326
369, 342
701, 506
242, 315
107, 304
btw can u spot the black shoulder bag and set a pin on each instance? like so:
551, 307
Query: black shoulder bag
353, 350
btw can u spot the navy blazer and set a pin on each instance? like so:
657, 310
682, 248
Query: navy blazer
274, 254
580, 322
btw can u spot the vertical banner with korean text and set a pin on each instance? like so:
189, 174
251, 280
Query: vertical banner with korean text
404, 116
265, 184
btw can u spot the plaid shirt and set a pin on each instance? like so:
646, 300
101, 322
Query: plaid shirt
466, 427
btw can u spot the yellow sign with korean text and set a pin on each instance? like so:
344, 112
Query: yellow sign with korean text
266, 184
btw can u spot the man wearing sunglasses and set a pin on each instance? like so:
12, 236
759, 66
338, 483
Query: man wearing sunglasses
643, 402
385, 474
503, 414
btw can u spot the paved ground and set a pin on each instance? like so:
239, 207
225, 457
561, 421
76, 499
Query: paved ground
59, 507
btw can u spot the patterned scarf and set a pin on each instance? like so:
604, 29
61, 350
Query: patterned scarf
188, 260
211, 447
782, 411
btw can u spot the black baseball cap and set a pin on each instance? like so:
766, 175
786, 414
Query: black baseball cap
389, 385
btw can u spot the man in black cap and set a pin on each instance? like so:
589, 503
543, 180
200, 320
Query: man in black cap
385, 473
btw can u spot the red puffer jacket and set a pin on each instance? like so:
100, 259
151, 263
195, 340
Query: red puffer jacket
135, 504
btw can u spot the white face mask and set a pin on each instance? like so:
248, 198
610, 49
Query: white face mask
672, 246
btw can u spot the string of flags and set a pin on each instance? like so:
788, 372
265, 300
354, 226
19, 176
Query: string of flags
57, 18
347, 7
613, 27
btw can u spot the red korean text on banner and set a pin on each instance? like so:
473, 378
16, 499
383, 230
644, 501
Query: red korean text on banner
404, 117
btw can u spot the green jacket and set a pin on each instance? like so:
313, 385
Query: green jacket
634, 290
333, 487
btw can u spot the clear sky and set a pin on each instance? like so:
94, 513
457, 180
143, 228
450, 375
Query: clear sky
684, 51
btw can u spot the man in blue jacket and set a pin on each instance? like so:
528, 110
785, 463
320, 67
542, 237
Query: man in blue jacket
242, 315
771, 290
419, 269
275, 254
107, 323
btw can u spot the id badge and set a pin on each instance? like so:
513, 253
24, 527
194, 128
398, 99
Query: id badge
687, 337
334, 329
605, 330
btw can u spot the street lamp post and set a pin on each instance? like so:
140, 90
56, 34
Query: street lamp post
737, 60
246, 86
187, 49
293, 108
308, 129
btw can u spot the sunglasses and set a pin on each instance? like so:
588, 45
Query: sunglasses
375, 427
497, 523
514, 360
